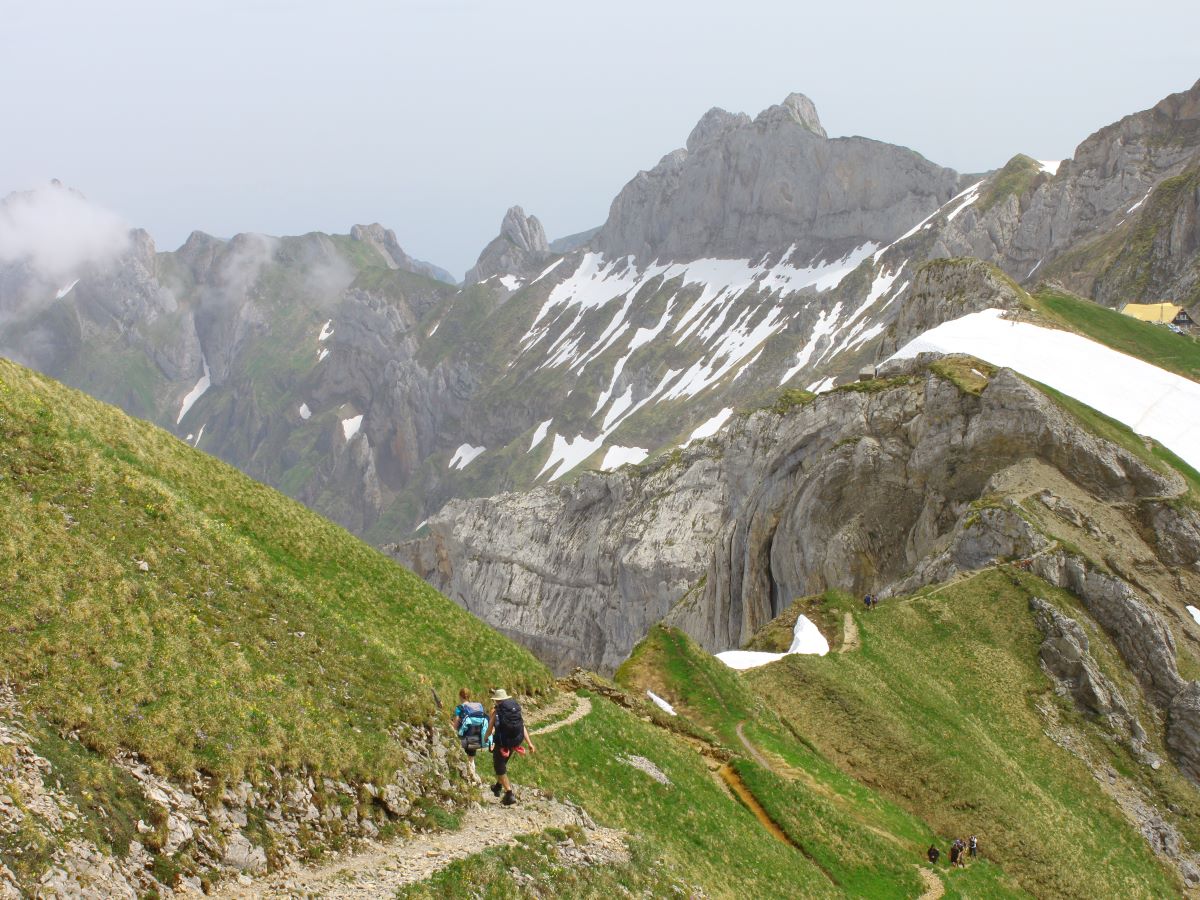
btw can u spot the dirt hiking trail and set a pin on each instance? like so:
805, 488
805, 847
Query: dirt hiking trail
378, 869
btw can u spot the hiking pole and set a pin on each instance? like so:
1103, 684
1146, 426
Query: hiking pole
436, 699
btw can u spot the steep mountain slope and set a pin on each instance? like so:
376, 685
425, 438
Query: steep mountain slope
856, 489
941, 713
199, 665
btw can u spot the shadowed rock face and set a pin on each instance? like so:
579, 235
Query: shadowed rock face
745, 187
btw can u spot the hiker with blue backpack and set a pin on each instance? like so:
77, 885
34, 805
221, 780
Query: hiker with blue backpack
472, 724
509, 734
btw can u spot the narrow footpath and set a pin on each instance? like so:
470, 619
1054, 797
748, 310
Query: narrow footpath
379, 869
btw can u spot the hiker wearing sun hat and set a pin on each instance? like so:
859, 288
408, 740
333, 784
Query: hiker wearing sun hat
509, 733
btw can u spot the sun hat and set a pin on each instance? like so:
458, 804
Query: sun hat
500, 694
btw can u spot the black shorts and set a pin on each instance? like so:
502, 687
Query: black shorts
499, 760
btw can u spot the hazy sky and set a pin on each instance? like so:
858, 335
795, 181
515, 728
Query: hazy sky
435, 117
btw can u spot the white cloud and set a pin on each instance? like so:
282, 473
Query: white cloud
58, 230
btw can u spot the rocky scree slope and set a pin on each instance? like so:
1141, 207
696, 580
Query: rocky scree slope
201, 677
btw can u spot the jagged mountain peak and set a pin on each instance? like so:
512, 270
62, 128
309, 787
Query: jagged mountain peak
524, 231
713, 125
519, 249
797, 108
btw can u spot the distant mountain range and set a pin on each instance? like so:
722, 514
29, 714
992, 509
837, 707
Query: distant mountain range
764, 254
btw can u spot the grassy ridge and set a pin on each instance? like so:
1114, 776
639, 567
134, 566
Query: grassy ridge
153, 598
1152, 343
866, 844
938, 711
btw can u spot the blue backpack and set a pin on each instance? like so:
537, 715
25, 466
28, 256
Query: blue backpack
472, 726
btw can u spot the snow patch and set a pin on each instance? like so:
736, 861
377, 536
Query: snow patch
1050, 165
566, 455
1148, 399
326, 331
510, 282
195, 393
324, 353
711, 427
464, 456
1195, 613
199, 434
970, 195
667, 707
350, 426
62, 292
436, 326
806, 639
618, 456
1140, 202
540, 434
305, 412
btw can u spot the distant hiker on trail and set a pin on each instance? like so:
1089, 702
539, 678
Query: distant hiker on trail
473, 727
958, 853
955, 852
508, 734
867, 602
934, 854
973, 844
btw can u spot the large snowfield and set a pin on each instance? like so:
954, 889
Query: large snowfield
1150, 400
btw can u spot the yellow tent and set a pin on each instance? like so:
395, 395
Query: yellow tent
1152, 312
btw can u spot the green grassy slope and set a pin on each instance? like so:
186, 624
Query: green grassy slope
153, 598
938, 711
1153, 343
865, 842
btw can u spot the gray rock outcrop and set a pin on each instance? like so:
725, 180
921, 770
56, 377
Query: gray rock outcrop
1065, 655
520, 249
853, 490
385, 243
745, 187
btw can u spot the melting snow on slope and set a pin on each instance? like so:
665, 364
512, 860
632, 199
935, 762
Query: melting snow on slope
661, 703
1195, 613
350, 426
1140, 202
618, 456
711, 427
540, 434
510, 282
326, 331
806, 638
62, 292
464, 456
1148, 399
194, 394
199, 435
324, 353
305, 412
1050, 165
566, 455
970, 195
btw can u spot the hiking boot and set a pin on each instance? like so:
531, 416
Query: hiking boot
496, 789
509, 799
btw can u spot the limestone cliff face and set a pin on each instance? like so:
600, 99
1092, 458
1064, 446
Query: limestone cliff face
1132, 183
858, 489
744, 187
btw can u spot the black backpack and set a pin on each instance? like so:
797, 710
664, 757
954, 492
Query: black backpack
510, 726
